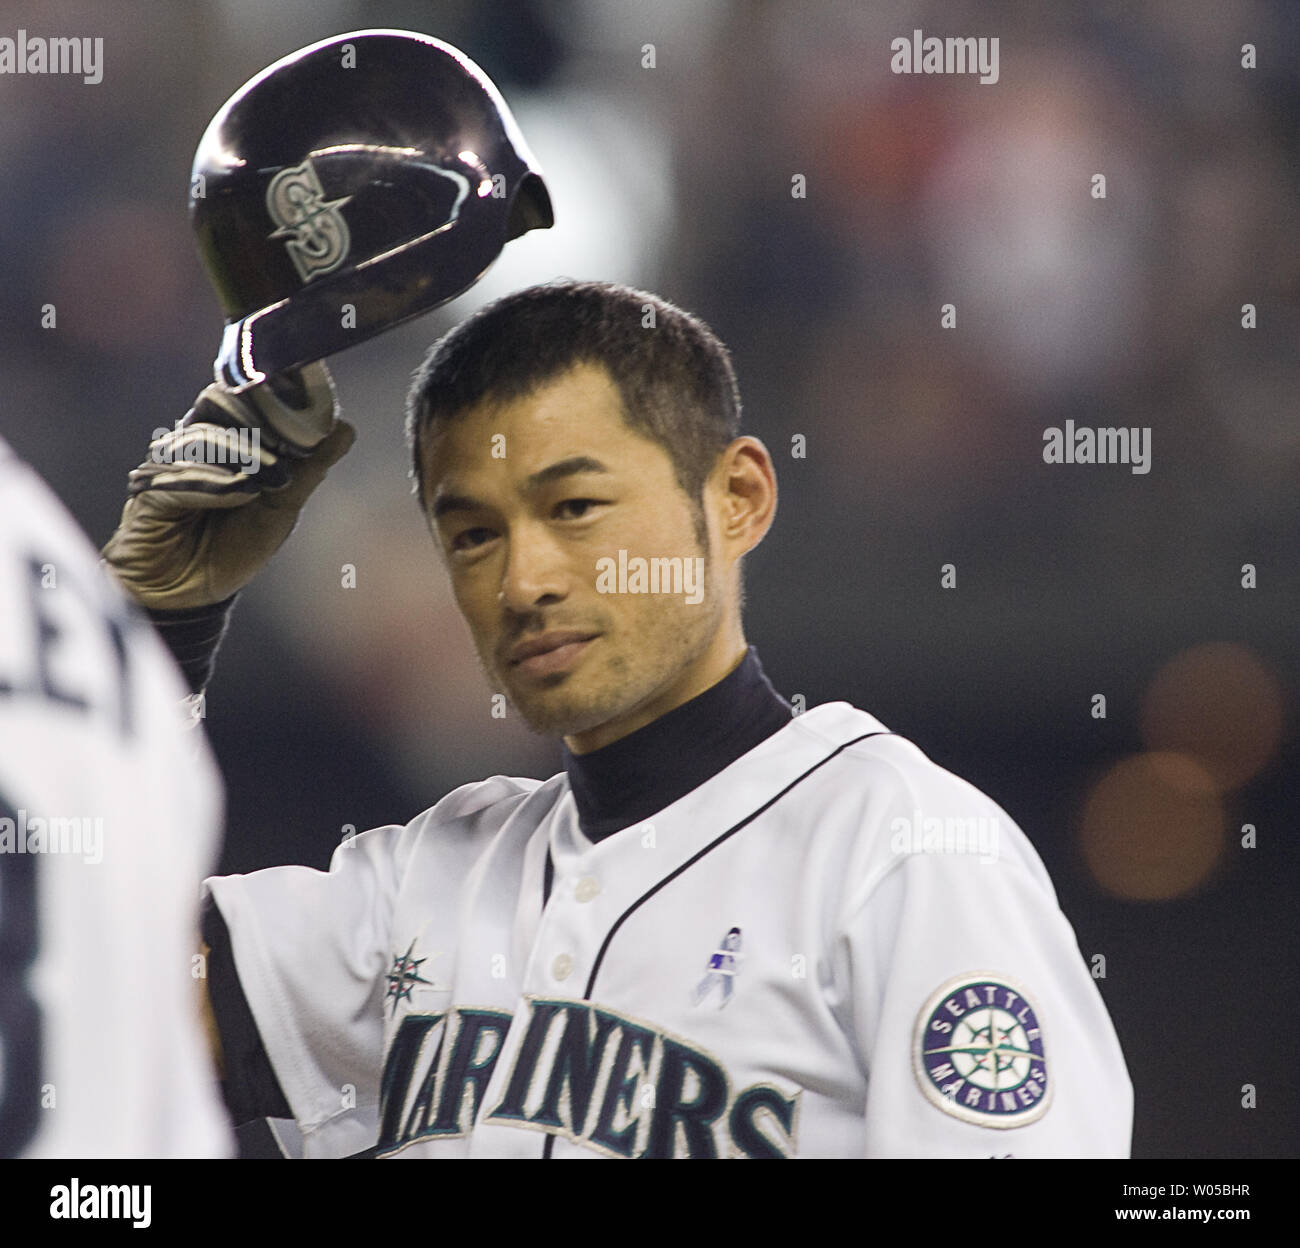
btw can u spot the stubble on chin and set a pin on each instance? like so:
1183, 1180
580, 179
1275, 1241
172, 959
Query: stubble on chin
562, 706
572, 703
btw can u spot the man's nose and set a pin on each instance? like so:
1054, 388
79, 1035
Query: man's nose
536, 572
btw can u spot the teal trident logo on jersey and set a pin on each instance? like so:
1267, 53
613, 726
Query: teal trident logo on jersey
403, 976
609, 1082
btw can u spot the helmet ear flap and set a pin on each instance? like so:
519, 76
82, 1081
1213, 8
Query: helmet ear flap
531, 209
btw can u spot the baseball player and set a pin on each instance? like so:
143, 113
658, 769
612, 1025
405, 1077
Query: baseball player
517, 971
109, 819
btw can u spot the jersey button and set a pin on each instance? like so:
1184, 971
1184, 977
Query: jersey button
588, 887
562, 967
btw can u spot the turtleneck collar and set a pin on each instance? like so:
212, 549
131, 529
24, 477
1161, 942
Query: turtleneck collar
637, 775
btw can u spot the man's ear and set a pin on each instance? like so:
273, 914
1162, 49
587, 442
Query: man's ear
744, 486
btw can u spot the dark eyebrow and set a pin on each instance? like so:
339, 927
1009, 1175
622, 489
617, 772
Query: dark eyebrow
570, 467
564, 468
452, 502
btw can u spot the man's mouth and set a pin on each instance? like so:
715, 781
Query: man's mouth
550, 653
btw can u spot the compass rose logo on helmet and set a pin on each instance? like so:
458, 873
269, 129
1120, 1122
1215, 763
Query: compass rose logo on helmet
349, 187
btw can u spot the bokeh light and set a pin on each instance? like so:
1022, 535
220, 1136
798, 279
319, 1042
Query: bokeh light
1154, 828
1219, 704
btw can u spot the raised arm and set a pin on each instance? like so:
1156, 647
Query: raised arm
214, 499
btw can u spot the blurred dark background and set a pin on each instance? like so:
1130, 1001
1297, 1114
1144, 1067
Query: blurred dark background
337, 708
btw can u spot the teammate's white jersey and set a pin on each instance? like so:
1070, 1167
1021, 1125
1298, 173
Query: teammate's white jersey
832, 948
109, 818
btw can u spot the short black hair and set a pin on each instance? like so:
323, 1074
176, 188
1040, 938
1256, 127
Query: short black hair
674, 376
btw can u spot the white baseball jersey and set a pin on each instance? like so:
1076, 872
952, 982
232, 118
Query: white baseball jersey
831, 948
109, 819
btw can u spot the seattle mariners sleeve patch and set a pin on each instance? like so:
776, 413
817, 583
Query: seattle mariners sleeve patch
978, 1052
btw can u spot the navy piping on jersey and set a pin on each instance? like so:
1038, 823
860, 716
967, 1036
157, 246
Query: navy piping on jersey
690, 862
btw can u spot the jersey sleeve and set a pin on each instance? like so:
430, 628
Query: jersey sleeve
980, 1029
312, 950
309, 949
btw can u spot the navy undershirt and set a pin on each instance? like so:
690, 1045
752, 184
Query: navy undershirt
632, 778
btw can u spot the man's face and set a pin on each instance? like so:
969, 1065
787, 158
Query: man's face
532, 501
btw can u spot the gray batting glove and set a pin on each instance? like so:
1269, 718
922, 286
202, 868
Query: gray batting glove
218, 495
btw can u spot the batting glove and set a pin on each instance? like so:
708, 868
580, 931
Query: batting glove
218, 495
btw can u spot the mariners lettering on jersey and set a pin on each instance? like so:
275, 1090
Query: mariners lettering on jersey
978, 1052
607, 1081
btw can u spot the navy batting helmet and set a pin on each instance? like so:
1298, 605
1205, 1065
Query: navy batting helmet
351, 186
